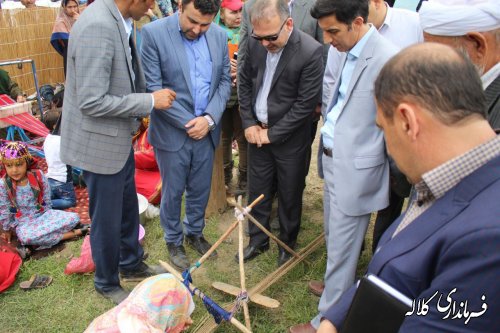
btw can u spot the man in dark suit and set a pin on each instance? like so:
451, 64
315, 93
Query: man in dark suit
105, 94
188, 53
431, 108
280, 83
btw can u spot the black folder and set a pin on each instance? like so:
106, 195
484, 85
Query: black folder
376, 308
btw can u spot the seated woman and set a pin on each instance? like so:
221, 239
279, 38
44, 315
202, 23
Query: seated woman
59, 175
158, 304
25, 206
68, 15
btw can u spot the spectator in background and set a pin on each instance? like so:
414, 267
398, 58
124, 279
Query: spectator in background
11, 88
229, 18
59, 175
28, 3
68, 14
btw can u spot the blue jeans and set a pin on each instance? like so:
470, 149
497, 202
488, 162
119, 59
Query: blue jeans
62, 194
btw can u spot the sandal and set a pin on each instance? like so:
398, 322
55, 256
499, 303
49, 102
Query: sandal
36, 282
23, 251
84, 229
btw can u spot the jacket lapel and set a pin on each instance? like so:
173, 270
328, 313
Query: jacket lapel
288, 53
123, 34
180, 51
336, 87
214, 54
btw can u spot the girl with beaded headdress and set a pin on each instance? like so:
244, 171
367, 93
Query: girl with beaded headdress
25, 206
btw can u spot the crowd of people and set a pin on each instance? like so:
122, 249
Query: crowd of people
406, 105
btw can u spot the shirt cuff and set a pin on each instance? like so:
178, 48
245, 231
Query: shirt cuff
152, 102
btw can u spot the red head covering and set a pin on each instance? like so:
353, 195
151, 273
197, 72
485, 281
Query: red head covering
232, 4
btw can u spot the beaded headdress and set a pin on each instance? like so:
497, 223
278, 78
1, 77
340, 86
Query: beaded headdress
14, 151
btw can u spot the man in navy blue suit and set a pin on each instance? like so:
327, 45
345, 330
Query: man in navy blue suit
431, 107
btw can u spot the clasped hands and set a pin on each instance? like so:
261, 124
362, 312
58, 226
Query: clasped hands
257, 135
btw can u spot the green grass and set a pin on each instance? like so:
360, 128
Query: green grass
70, 303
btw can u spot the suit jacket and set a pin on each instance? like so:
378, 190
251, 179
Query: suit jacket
166, 66
453, 244
360, 162
493, 103
295, 87
302, 20
101, 101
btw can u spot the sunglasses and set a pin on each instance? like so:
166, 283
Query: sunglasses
270, 38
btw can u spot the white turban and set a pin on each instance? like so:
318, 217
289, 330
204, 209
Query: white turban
458, 17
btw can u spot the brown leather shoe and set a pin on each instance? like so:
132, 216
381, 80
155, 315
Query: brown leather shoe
302, 328
316, 287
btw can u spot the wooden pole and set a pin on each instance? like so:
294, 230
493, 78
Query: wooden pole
267, 232
242, 267
200, 294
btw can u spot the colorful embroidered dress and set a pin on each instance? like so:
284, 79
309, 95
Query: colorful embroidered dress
34, 226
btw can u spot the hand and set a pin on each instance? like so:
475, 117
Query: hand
7, 235
234, 67
20, 99
163, 98
264, 138
187, 324
75, 16
197, 128
317, 110
326, 326
252, 134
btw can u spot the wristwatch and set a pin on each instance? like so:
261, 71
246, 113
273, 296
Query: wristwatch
211, 123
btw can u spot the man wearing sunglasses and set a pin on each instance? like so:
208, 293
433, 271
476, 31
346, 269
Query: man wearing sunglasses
280, 83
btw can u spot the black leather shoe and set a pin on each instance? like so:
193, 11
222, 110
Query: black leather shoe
200, 244
142, 272
116, 295
283, 256
252, 251
178, 256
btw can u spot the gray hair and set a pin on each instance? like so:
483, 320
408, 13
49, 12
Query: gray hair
267, 9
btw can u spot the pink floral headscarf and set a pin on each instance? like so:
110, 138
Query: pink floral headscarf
158, 304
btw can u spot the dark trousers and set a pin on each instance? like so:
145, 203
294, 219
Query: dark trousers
289, 168
187, 172
114, 211
233, 130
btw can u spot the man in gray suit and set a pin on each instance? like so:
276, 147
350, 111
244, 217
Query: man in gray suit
104, 97
187, 53
280, 84
352, 157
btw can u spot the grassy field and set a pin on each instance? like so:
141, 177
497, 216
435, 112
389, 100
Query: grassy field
70, 303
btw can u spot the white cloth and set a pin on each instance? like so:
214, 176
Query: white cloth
457, 18
401, 27
56, 169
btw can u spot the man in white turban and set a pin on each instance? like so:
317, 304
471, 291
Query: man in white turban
472, 26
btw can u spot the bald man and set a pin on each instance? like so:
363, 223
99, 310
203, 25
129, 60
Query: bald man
447, 241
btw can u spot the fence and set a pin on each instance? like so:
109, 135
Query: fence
25, 34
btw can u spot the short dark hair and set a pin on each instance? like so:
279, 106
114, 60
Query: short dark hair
435, 76
345, 11
206, 7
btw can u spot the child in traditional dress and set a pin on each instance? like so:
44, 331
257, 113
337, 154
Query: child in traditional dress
25, 206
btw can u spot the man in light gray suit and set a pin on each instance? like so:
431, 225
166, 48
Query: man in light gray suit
186, 52
104, 97
352, 157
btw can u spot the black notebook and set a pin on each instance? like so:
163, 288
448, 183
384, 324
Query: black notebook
376, 308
